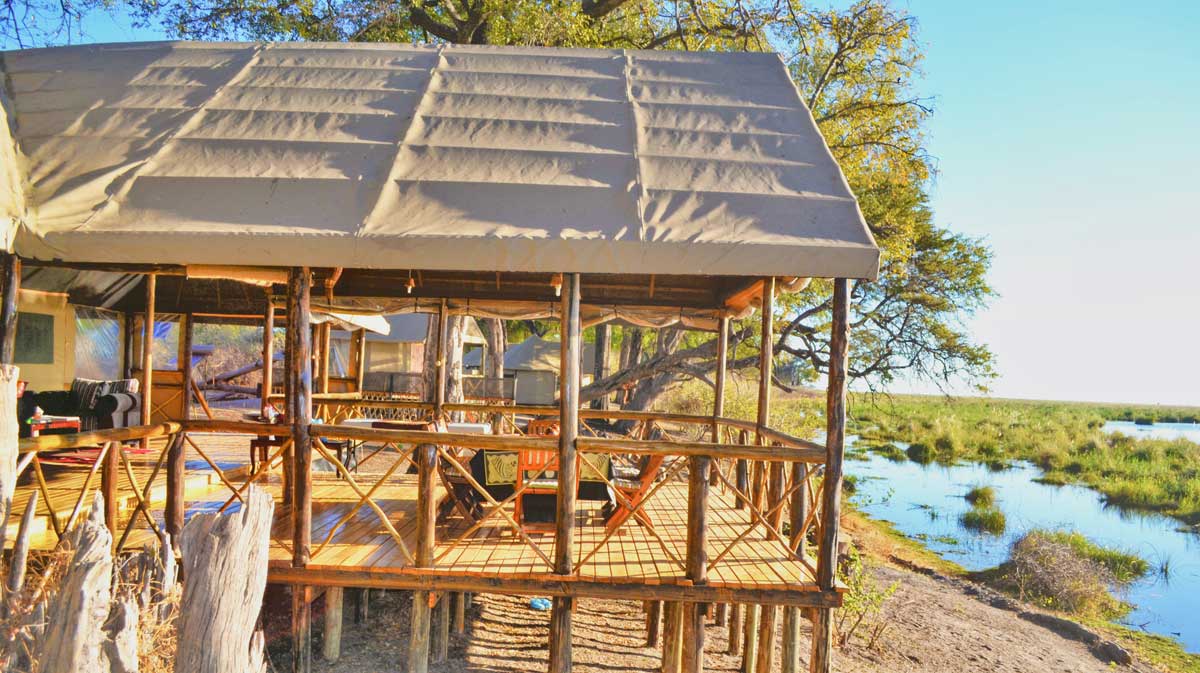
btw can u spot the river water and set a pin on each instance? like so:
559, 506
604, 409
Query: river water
925, 502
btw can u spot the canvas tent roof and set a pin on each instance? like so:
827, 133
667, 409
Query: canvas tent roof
535, 354
437, 157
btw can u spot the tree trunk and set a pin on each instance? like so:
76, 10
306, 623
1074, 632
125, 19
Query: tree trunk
74, 638
429, 366
225, 566
497, 344
455, 332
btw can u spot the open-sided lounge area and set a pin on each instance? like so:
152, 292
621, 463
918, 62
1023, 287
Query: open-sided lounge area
304, 187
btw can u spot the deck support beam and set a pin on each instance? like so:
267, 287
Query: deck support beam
673, 644
600, 366
419, 635
831, 503
8, 308
439, 638
299, 414
568, 468
331, 647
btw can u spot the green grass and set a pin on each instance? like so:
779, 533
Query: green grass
981, 496
1165, 653
984, 520
1125, 566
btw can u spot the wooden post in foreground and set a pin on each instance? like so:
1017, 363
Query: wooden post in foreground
9, 430
225, 563
831, 502
439, 383
299, 414
185, 363
176, 504
418, 647
564, 521
697, 562
8, 307
735, 629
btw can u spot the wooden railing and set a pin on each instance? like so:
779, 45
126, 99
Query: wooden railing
755, 475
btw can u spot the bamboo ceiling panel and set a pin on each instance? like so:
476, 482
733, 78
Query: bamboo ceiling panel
418, 156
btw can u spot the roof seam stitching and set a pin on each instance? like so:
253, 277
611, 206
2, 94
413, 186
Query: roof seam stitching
639, 186
163, 148
403, 140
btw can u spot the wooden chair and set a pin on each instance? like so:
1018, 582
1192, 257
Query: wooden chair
634, 492
532, 467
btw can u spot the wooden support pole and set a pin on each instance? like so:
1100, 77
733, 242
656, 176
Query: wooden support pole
439, 384
331, 646
176, 504
653, 617
460, 612
600, 366
750, 639
719, 393
359, 346
8, 308
148, 353
362, 605
765, 357
735, 629
672, 653
441, 626
790, 654
299, 414
128, 356
768, 621
831, 500
418, 648
109, 486
564, 523
697, 562
185, 364
268, 356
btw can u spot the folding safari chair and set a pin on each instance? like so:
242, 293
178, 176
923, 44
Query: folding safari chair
634, 492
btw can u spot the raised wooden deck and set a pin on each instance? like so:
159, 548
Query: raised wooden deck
360, 552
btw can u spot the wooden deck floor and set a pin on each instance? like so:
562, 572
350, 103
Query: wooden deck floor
495, 551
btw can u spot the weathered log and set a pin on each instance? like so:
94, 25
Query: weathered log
74, 636
225, 566
121, 646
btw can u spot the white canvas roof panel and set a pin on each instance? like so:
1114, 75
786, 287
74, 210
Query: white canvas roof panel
436, 157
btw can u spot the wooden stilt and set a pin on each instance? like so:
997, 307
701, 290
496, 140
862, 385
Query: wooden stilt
768, 621
8, 307
790, 655
418, 645
299, 413
735, 629
750, 639
722, 614
653, 617
362, 605
672, 653
564, 526
831, 501
460, 612
440, 635
331, 647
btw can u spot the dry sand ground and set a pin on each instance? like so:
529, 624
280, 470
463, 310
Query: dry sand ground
937, 627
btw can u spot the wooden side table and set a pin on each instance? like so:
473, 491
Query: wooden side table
40, 425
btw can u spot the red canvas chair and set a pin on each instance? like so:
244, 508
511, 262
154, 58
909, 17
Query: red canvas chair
634, 492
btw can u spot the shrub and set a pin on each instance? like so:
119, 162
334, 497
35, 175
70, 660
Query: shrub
863, 602
981, 496
920, 453
984, 520
1051, 572
1125, 566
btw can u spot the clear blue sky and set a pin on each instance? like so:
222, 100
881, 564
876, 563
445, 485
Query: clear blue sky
1067, 134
